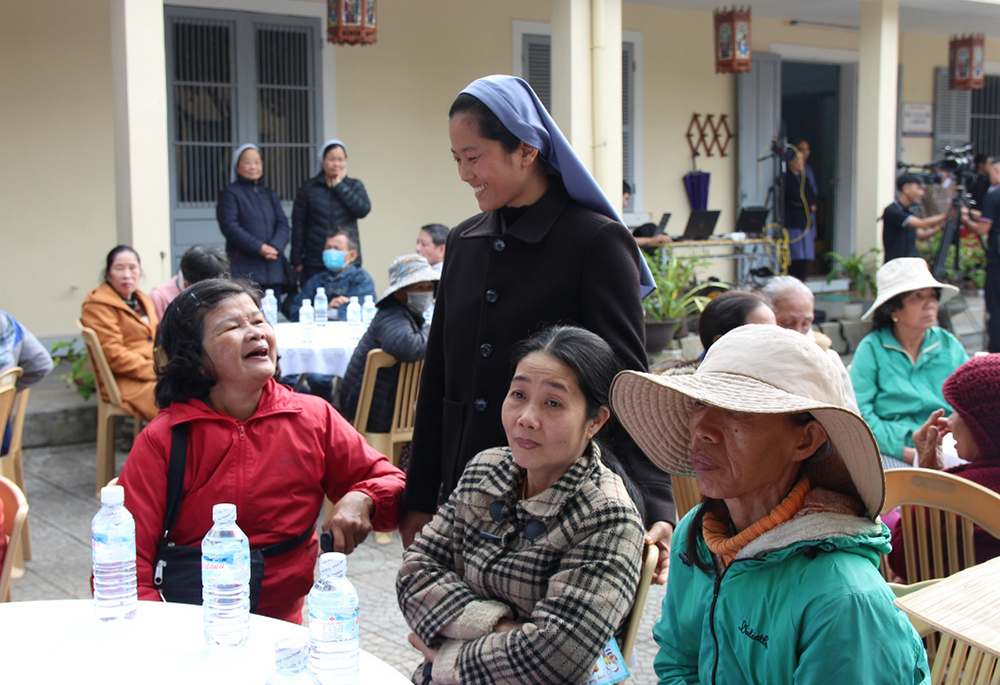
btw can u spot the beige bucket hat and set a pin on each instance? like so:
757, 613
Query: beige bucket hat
757, 369
903, 275
408, 270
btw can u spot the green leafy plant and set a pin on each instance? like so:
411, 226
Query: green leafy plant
860, 274
80, 375
677, 296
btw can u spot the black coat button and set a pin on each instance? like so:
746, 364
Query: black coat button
486, 350
491, 296
499, 245
480, 404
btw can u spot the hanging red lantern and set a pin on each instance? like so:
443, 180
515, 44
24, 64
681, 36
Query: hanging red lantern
965, 62
732, 40
351, 22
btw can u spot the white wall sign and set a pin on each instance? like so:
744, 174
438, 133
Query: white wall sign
918, 119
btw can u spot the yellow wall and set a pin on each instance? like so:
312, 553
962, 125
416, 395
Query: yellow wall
57, 176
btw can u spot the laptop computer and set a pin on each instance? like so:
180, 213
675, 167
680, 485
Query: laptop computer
662, 225
700, 224
751, 220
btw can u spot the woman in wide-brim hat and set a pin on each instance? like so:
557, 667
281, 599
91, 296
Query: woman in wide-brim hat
899, 368
774, 577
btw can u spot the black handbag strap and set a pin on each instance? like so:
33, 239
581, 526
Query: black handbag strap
175, 487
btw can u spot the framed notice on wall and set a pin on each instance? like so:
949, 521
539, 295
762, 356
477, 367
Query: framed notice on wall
918, 119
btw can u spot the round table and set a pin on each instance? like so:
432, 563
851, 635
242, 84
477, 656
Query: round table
62, 641
329, 352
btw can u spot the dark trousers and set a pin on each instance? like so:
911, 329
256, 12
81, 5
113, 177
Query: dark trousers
993, 305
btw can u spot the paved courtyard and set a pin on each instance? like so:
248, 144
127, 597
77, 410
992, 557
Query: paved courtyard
59, 484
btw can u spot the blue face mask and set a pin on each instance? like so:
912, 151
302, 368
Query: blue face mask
334, 259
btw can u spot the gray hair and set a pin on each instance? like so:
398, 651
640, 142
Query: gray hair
778, 286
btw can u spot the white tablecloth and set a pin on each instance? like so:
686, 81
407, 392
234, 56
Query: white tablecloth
329, 352
62, 641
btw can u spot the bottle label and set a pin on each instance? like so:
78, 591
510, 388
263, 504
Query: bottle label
220, 568
112, 549
343, 627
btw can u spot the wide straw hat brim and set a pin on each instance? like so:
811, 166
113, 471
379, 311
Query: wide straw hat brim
417, 271
656, 411
903, 275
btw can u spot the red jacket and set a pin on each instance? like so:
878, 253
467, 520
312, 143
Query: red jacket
275, 467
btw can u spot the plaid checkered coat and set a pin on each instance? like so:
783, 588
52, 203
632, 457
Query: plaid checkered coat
572, 587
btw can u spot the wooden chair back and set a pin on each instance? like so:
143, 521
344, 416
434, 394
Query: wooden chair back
102, 370
939, 513
8, 390
686, 494
15, 512
651, 555
407, 388
959, 663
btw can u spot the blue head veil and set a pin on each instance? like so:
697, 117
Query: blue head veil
524, 115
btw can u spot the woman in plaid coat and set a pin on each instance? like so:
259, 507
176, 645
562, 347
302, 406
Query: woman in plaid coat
531, 567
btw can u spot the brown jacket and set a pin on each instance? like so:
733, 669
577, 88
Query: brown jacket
127, 341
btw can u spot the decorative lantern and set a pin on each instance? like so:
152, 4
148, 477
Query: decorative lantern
732, 40
965, 62
351, 22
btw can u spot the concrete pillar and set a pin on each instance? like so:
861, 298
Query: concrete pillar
606, 27
142, 179
877, 106
571, 75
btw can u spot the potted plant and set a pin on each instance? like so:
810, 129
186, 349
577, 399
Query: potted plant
80, 375
860, 278
677, 298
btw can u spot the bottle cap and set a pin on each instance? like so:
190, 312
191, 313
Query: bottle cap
354, 299
112, 494
321, 289
368, 298
269, 292
333, 564
224, 513
307, 302
291, 654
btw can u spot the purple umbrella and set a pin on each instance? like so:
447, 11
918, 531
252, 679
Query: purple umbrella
696, 184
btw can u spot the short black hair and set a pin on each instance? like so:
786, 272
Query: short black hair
352, 238
333, 145
437, 232
904, 179
489, 124
202, 262
626, 188
183, 376
115, 251
725, 312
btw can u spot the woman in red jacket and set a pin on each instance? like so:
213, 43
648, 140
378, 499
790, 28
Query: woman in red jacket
252, 442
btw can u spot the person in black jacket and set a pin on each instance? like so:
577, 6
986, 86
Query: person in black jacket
328, 200
251, 219
548, 248
398, 328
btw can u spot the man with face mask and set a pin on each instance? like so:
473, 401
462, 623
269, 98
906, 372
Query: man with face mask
342, 278
399, 329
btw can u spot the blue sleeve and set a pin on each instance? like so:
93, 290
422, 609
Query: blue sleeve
228, 214
280, 237
860, 638
678, 632
890, 435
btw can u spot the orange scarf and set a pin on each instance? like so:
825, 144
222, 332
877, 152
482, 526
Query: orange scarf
717, 530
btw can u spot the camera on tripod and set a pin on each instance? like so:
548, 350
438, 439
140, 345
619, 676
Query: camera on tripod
956, 161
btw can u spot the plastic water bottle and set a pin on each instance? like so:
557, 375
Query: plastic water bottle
321, 306
334, 629
368, 310
112, 541
270, 307
291, 663
354, 315
225, 580
307, 316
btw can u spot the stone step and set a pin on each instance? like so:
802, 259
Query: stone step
57, 414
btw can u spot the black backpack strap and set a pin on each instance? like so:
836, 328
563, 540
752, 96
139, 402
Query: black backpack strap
287, 545
175, 475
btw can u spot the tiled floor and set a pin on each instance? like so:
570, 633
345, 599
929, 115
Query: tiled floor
59, 485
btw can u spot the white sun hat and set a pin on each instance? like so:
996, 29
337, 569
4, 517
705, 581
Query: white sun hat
408, 270
903, 275
756, 369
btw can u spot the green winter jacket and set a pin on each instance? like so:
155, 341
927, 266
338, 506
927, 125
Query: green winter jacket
804, 603
895, 395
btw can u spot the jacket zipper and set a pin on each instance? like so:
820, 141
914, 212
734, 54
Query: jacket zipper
711, 620
241, 472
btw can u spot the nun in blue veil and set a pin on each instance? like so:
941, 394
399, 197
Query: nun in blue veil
547, 247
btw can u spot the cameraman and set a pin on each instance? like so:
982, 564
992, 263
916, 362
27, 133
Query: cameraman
900, 228
987, 224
